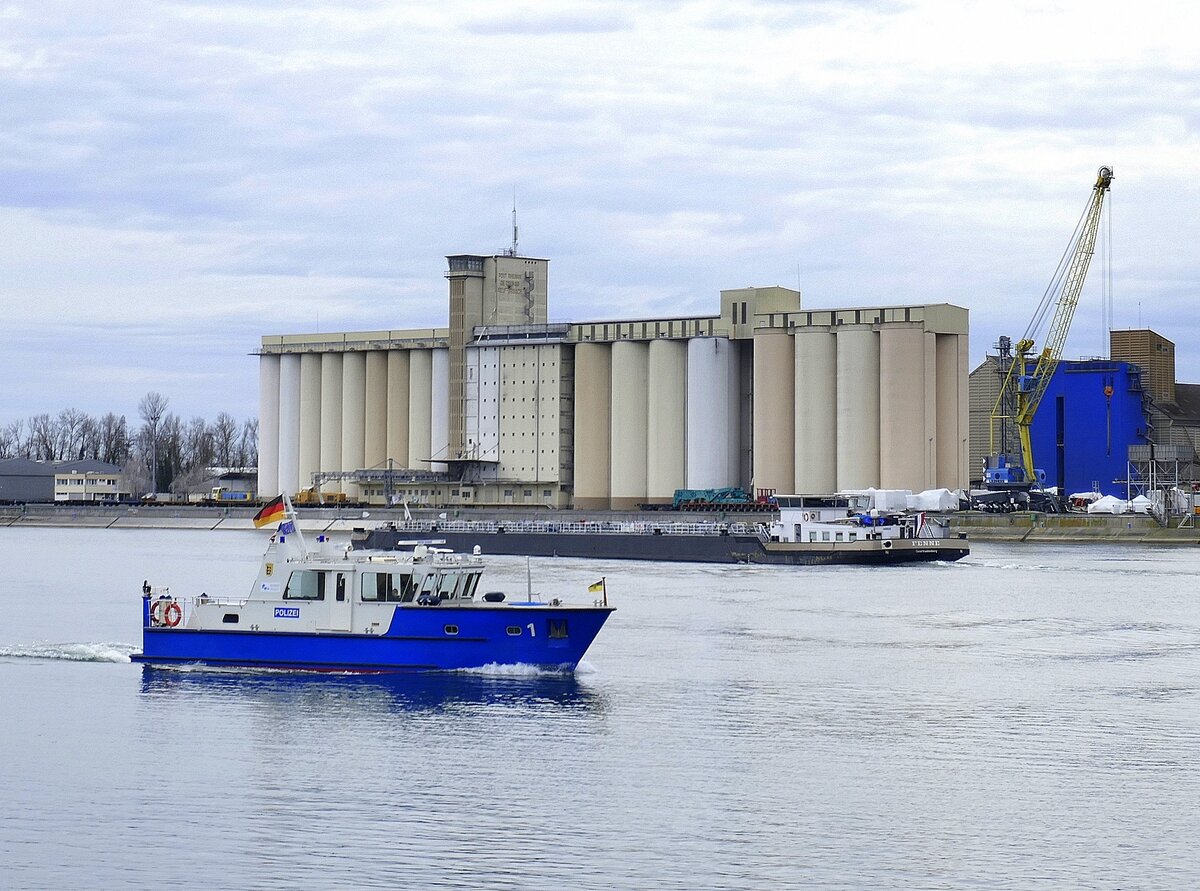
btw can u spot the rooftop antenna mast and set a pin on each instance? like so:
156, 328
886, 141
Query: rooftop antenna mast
513, 251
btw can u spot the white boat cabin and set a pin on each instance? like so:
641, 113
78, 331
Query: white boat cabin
840, 518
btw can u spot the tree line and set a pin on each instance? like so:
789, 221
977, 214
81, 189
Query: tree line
164, 453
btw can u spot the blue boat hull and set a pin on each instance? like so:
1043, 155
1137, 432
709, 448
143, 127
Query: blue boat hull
431, 639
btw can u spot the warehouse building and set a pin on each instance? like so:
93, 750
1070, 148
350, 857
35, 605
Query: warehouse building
504, 408
1102, 422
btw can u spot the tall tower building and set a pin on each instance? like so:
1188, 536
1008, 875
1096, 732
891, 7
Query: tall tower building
501, 291
1153, 353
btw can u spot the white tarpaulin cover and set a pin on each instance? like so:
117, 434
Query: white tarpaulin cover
933, 499
1141, 505
1109, 504
883, 500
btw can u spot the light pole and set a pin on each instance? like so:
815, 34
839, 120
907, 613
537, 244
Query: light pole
154, 451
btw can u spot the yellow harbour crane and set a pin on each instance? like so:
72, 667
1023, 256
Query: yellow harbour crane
1028, 375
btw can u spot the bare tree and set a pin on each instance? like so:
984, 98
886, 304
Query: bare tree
197, 446
70, 432
43, 440
248, 445
10, 440
112, 434
225, 440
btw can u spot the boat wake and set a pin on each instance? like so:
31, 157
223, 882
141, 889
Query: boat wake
71, 652
522, 670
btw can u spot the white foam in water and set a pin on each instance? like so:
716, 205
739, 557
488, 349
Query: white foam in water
518, 670
72, 652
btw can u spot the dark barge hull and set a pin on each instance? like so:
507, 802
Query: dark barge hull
678, 548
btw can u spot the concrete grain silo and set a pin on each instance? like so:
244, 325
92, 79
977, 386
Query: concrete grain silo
354, 408
666, 420
816, 411
310, 418
331, 416
906, 432
375, 410
713, 413
857, 407
630, 396
268, 425
774, 411
593, 431
289, 423
397, 406
420, 413
439, 407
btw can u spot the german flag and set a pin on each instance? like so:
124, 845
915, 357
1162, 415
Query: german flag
273, 511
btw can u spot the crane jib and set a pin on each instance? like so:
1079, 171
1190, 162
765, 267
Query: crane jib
1022, 388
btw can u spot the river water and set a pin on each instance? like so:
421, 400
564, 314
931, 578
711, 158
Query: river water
1027, 718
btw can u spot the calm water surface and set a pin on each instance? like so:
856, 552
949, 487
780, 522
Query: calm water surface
1029, 717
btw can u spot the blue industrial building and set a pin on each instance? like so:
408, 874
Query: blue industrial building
1092, 412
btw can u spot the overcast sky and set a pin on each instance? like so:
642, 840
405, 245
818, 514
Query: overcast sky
178, 179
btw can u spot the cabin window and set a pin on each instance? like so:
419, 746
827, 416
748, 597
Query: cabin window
378, 587
468, 591
514, 630
838, 536
824, 536
451, 629
448, 585
812, 536
305, 584
341, 588
429, 583
230, 618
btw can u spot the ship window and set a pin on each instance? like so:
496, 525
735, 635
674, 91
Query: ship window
824, 536
839, 536
429, 583
451, 629
812, 536
558, 629
230, 618
469, 588
305, 585
514, 630
378, 587
448, 585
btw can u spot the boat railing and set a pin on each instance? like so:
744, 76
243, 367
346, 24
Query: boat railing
590, 527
